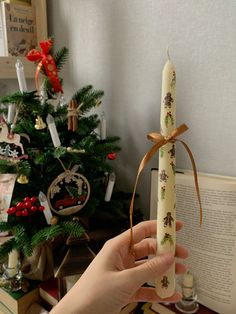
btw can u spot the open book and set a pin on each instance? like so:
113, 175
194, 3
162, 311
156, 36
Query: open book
213, 245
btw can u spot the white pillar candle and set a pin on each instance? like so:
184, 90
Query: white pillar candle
12, 262
166, 213
47, 211
21, 76
103, 127
110, 186
53, 131
11, 113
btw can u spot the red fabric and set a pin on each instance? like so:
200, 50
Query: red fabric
46, 60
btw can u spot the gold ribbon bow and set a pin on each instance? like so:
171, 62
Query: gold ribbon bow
160, 141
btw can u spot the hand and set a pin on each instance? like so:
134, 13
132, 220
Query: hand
115, 278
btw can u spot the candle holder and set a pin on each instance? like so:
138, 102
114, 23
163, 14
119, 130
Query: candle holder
12, 277
189, 303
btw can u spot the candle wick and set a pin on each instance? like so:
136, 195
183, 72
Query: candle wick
168, 53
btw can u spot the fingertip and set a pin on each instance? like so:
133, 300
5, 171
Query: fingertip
168, 258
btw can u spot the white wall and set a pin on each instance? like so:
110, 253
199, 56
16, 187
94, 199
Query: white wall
120, 47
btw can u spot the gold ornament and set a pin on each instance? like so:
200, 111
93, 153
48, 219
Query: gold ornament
54, 220
39, 125
22, 179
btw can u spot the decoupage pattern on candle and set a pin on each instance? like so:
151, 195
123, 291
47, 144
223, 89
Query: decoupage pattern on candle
165, 285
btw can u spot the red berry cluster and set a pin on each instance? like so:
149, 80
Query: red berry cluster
28, 206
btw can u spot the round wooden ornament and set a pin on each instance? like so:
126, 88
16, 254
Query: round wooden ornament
68, 193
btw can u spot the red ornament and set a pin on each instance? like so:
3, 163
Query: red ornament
24, 212
111, 156
33, 208
26, 199
46, 60
41, 208
27, 205
19, 205
18, 213
33, 199
11, 210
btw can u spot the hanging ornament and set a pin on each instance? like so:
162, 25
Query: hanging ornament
73, 114
39, 124
10, 146
68, 193
54, 220
111, 156
22, 179
46, 60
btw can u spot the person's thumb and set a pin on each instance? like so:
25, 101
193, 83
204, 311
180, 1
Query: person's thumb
153, 268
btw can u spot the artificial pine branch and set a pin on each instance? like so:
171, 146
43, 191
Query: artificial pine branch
73, 228
61, 57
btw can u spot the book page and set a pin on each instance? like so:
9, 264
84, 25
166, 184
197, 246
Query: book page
213, 245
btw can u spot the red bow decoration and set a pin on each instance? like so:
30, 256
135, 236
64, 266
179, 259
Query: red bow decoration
46, 60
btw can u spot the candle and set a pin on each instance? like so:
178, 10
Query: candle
103, 127
47, 211
53, 131
21, 76
110, 186
166, 238
153, 193
188, 283
11, 113
12, 263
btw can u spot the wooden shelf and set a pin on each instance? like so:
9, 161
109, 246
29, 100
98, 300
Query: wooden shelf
7, 64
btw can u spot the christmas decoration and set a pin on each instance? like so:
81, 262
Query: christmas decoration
39, 124
37, 163
46, 60
68, 193
111, 156
72, 115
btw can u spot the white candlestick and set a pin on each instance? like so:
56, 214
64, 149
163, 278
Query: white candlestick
103, 127
166, 214
47, 211
21, 76
11, 113
53, 131
12, 262
110, 186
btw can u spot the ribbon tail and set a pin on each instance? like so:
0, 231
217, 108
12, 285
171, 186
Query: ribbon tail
195, 177
39, 66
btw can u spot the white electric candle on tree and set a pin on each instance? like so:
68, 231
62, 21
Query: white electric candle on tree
12, 262
166, 213
21, 76
11, 113
110, 186
103, 127
53, 131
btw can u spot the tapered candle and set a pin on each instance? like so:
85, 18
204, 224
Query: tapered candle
53, 131
21, 76
166, 237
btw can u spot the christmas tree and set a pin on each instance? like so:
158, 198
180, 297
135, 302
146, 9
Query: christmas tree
54, 150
